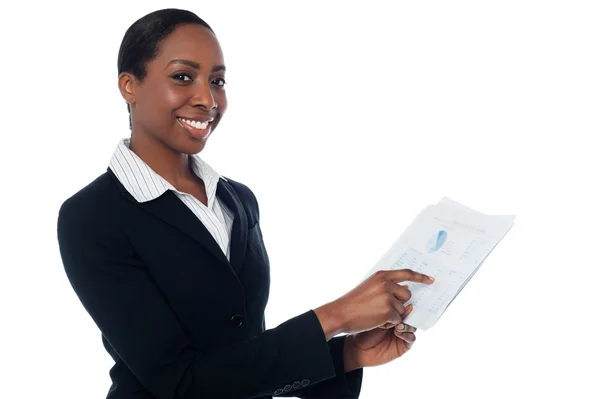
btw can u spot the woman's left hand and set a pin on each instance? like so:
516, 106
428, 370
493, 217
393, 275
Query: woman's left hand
379, 345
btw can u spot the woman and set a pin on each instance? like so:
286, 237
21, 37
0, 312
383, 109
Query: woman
168, 258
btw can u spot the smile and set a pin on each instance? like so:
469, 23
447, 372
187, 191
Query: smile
199, 130
195, 124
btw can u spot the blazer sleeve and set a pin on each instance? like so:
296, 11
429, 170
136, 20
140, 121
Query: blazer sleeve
135, 318
342, 386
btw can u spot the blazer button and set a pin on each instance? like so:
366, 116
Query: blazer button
305, 382
287, 388
237, 320
279, 391
296, 384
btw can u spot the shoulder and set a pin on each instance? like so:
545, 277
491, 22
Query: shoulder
242, 190
94, 201
246, 196
90, 224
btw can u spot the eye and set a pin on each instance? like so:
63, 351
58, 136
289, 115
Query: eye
220, 80
182, 77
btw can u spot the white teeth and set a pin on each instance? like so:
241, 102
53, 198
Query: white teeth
196, 124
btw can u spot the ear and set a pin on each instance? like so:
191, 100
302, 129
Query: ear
127, 87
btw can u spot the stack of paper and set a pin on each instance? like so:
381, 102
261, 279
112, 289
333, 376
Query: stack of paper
449, 242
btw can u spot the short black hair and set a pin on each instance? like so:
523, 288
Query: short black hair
142, 38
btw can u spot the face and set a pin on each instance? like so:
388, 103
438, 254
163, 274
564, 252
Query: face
181, 100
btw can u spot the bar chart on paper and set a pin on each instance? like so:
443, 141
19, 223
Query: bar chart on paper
437, 241
449, 242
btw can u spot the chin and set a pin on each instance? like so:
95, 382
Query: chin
194, 146
189, 148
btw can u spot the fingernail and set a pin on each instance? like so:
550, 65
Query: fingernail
400, 327
431, 278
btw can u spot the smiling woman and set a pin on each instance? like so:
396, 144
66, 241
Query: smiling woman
181, 88
168, 258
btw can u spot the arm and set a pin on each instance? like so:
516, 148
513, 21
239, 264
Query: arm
136, 320
345, 384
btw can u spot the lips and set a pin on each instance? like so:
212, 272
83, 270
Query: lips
198, 128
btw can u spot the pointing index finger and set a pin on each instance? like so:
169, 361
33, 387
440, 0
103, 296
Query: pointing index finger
398, 276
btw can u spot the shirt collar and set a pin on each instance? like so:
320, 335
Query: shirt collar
144, 184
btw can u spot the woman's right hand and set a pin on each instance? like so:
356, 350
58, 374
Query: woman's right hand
376, 302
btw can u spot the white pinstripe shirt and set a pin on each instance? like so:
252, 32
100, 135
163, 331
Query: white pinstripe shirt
145, 185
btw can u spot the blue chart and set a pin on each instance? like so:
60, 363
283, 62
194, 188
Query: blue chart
436, 241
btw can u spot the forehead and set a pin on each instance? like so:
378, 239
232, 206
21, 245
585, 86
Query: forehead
191, 42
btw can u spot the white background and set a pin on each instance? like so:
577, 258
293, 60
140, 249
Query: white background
345, 119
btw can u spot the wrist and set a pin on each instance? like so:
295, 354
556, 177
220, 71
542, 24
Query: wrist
331, 319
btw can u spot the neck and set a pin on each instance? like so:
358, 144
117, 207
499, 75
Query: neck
171, 165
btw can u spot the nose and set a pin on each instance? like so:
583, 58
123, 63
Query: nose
203, 97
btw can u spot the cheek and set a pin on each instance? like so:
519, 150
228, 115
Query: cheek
221, 99
157, 108
173, 98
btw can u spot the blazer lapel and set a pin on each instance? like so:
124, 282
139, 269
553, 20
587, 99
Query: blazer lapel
239, 230
173, 211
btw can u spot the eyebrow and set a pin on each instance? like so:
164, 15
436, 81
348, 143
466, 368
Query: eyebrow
195, 65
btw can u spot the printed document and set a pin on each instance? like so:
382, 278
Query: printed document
449, 242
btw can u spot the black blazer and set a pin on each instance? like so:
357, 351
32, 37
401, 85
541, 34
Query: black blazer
178, 318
